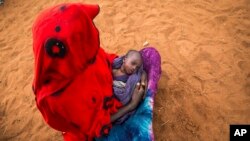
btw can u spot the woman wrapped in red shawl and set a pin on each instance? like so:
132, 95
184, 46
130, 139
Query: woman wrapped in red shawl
73, 79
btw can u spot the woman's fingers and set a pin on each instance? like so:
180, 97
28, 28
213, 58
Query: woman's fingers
143, 85
140, 88
143, 80
137, 86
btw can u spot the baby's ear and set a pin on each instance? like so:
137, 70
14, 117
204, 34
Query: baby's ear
91, 10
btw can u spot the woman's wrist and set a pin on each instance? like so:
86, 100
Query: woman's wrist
131, 106
122, 111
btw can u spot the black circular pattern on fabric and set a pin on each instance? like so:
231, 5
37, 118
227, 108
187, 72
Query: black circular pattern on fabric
55, 44
92, 61
107, 102
93, 100
105, 130
62, 8
58, 29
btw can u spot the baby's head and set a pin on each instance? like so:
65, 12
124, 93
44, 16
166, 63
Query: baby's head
131, 62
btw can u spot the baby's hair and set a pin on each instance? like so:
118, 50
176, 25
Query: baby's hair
132, 52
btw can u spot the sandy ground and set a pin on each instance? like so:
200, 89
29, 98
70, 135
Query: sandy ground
205, 49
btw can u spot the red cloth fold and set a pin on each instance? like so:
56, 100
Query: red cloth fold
73, 75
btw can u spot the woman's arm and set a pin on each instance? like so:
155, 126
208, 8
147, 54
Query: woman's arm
136, 98
122, 111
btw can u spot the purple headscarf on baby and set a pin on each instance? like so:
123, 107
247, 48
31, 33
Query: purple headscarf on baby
125, 96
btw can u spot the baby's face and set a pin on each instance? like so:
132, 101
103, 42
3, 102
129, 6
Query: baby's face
132, 63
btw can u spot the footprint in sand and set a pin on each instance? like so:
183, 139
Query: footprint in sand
246, 44
243, 65
2, 44
221, 19
248, 84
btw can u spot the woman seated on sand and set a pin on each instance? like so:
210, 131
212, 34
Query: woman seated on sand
129, 83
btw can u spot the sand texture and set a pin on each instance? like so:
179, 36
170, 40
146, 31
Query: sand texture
205, 50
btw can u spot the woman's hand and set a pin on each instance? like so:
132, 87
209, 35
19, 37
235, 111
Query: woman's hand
144, 83
137, 96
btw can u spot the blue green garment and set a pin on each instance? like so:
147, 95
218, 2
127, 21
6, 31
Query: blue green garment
138, 127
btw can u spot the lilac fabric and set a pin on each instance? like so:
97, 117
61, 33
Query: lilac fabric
122, 78
152, 65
